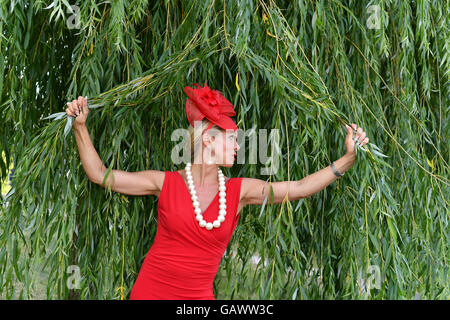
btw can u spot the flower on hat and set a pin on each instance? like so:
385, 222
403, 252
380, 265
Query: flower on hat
204, 102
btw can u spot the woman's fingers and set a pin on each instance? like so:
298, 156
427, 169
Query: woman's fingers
75, 107
366, 141
80, 104
84, 106
69, 113
70, 108
360, 135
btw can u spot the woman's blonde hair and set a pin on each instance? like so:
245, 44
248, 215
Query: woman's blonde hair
196, 134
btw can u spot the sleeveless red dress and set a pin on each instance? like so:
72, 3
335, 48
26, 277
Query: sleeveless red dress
184, 258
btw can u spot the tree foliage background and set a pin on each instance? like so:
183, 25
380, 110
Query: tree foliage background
303, 67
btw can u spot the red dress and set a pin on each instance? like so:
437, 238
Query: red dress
184, 258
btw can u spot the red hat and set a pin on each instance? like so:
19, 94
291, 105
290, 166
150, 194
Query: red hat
204, 102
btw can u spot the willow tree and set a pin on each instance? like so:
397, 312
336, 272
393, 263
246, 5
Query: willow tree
304, 68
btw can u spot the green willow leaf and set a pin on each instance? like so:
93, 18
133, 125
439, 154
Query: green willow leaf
302, 68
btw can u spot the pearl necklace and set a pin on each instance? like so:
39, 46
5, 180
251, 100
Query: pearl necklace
195, 203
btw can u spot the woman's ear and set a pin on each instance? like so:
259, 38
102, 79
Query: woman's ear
206, 139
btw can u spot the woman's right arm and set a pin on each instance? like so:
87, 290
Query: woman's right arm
148, 182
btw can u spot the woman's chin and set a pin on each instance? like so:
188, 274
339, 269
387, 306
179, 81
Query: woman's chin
227, 164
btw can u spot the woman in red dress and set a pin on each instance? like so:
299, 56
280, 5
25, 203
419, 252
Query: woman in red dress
198, 207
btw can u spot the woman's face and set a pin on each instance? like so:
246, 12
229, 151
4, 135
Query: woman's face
225, 148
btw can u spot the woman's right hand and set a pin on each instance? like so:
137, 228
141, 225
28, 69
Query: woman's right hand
79, 110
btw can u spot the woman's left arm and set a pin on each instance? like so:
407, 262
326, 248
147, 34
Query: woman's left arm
254, 191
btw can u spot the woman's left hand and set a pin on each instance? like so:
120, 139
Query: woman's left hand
360, 138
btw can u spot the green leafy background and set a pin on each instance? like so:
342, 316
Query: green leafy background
305, 68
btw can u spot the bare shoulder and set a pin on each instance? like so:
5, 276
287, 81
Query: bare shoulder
155, 178
257, 191
158, 177
252, 190
139, 183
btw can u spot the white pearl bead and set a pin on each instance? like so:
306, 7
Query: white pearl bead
222, 199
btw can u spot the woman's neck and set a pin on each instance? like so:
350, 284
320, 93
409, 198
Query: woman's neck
204, 174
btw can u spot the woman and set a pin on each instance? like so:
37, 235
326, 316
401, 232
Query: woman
198, 207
